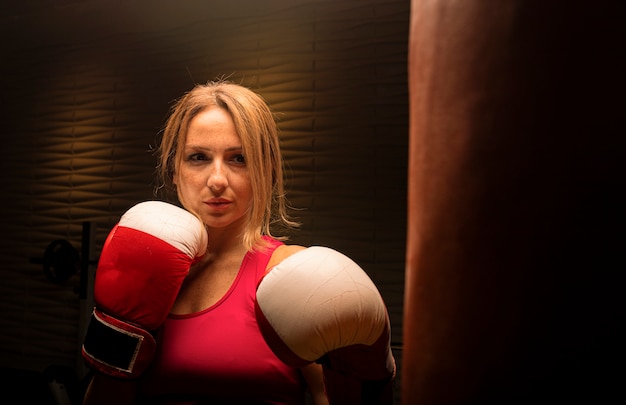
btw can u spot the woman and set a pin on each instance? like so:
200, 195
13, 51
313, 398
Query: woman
220, 155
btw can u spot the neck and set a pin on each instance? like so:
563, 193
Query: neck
225, 240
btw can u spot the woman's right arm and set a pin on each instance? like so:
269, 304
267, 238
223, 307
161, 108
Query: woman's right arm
105, 390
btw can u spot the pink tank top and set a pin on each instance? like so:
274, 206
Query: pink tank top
218, 356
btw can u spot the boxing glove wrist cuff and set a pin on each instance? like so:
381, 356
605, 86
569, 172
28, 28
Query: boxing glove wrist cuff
117, 348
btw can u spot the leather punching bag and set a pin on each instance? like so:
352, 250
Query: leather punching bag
515, 244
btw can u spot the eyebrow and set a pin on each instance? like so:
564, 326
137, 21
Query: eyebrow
229, 149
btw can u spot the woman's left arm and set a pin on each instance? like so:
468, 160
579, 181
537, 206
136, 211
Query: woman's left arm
315, 381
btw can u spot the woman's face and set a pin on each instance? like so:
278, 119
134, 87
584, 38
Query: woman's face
212, 178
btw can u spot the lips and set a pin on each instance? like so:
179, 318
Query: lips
218, 203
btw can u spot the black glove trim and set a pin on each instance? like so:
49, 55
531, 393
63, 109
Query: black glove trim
110, 345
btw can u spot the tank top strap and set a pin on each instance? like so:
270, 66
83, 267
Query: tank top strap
264, 255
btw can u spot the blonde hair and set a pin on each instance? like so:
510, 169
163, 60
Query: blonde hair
256, 126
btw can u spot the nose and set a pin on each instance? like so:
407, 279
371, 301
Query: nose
218, 178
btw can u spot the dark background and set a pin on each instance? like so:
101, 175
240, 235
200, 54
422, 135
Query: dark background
86, 86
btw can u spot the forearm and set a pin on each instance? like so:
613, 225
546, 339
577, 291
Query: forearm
105, 390
314, 378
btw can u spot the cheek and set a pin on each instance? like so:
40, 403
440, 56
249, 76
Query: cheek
187, 184
242, 186
189, 178
245, 186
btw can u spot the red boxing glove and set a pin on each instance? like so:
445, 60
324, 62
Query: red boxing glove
143, 263
320, 306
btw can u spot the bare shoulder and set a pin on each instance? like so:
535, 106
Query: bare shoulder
283, 252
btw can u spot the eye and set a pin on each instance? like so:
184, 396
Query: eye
197, 157
239, 159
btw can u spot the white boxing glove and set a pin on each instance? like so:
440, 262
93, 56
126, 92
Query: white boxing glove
319, 306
